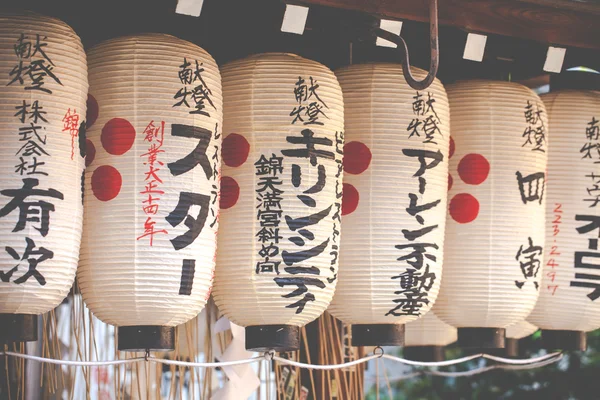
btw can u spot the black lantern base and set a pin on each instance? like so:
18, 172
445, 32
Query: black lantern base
424, 353
18, 328
280, 338
378, 335
481, 338
146, 338
511, 348
564, 340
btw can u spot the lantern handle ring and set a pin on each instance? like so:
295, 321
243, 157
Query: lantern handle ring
378, 351
434, 47
269, 355
147, 355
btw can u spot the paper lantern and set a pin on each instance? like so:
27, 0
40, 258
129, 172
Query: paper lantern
394, 208
152, 183
42, 108
426, 338
568, 305
281, 196
495, 228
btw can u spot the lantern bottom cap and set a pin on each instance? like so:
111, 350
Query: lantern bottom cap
510, 350
564, 340
481, 338
18, 328
424, 353
378, 335
279, 338
146, 338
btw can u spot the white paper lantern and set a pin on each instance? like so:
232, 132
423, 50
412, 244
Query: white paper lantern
151, 204
568, 305
426, 337
42, 107
495, 228
281, 196
394, 209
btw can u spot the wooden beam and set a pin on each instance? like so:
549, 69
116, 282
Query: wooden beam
558, 22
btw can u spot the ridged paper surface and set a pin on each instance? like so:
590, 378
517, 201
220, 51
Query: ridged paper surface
286, 276
392, 246
572, 194
495, 228
43, 89
520, 330
129, 275
429, 330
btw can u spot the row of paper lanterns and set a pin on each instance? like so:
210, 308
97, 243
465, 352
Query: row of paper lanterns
501, 191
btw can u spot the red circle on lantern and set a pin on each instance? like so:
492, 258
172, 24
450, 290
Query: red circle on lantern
92, 111
473, 169
117, 136
450, 181
235, 150
350, 198
464, 208
90, 152
106, 182
230, 192
452, 148
357, 158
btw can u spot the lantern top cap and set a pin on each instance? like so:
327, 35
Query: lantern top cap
274, 57
575, 80
15, 15
148, 36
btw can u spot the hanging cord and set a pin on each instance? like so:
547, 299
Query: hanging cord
270, 355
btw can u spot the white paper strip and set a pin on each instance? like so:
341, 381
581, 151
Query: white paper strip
475, 47
294, 19
189, 7
554, 59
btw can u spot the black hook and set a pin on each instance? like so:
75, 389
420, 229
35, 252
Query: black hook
435, 50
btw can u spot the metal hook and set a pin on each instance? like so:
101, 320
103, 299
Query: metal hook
435, 50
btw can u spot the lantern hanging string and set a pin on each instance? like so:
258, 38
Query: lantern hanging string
509, 363
477, 371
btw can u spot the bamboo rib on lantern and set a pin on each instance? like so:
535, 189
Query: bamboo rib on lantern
152, 186
281, 196
426, 338
394, 208
42, 108
494, 233
568, 306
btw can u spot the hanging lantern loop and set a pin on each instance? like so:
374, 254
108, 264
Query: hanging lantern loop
435, 50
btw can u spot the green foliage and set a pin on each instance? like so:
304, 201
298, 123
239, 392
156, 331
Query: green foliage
576, 376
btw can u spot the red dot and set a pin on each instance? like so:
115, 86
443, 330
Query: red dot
235, 150
92, 111
473, 169
117, 136
464, 208
450, 181
357, 158
349, 199
230, 192
452, 147
90, 152
106, 183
